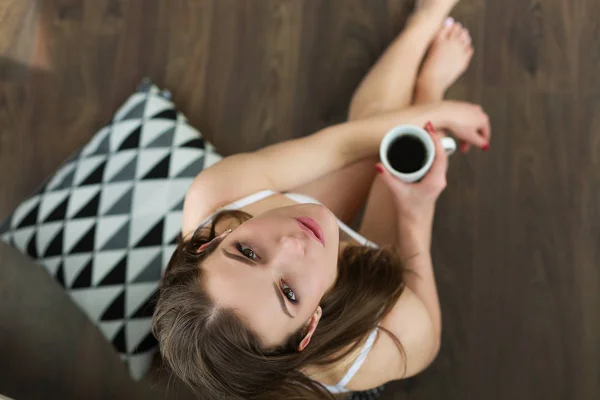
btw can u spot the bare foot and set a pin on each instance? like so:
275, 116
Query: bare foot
448, 59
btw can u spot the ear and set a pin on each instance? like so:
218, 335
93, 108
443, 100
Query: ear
218, 238
314, 321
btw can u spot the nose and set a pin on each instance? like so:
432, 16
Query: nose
291, 247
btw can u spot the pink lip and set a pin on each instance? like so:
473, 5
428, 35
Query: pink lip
311, 226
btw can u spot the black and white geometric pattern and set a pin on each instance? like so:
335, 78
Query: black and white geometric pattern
105, 224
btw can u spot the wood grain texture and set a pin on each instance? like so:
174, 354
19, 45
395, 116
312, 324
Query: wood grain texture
517, 233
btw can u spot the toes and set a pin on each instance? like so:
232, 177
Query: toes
446, 29
444, 33
449, 22
465, 37
456, 30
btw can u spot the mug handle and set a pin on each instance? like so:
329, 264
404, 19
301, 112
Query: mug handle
449, 145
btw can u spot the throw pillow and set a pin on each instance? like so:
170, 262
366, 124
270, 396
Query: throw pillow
105, 224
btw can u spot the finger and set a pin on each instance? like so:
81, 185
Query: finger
390, 180
440, 163
435, 134
474, 137
432, 131
486, 130
464, 147
429, 128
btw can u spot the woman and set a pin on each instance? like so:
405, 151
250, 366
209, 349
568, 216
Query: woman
274, 301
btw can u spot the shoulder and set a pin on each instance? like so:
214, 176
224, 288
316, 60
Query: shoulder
201, 203
332, 374
411, 324
220, 184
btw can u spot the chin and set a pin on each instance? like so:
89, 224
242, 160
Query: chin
331, 221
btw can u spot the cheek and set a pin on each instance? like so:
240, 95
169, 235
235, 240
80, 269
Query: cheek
322, 277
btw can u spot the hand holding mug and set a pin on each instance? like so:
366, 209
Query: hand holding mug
415, 202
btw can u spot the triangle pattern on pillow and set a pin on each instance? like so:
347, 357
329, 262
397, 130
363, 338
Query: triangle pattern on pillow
148, 159
157, 131
122, 131
23, 210
136, 111
137, 329
53, 206
164, 140
139, 259
52, 264
156, 105
87, 167
45, 234
118, 163
81, 198
74, 265
105, 225
132, 102
63, 178
152, 271
114, 198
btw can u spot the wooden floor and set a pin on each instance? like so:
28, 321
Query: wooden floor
517, 237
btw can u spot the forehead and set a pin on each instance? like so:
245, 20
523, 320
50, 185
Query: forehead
250, 293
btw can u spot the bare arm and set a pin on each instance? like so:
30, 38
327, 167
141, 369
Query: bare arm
296, 162
416, 317
415, 209
414, 245
289, 164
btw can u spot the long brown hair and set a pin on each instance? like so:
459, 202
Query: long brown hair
217, 355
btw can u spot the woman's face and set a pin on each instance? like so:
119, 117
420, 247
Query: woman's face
275, 268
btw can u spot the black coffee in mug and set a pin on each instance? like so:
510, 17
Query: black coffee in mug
407, 154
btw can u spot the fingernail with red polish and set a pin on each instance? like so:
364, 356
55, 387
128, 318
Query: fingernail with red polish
379, 168
485, 147
429, 127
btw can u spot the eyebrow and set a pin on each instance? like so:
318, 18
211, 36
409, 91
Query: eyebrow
277, 290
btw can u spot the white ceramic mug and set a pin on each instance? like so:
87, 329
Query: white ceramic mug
425, 138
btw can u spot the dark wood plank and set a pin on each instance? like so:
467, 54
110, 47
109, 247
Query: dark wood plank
586, 215
532, 41
588, 51
523, 300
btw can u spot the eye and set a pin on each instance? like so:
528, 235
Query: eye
246, 251
289, 293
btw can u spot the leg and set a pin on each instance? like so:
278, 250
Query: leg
448, 58
388, 86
